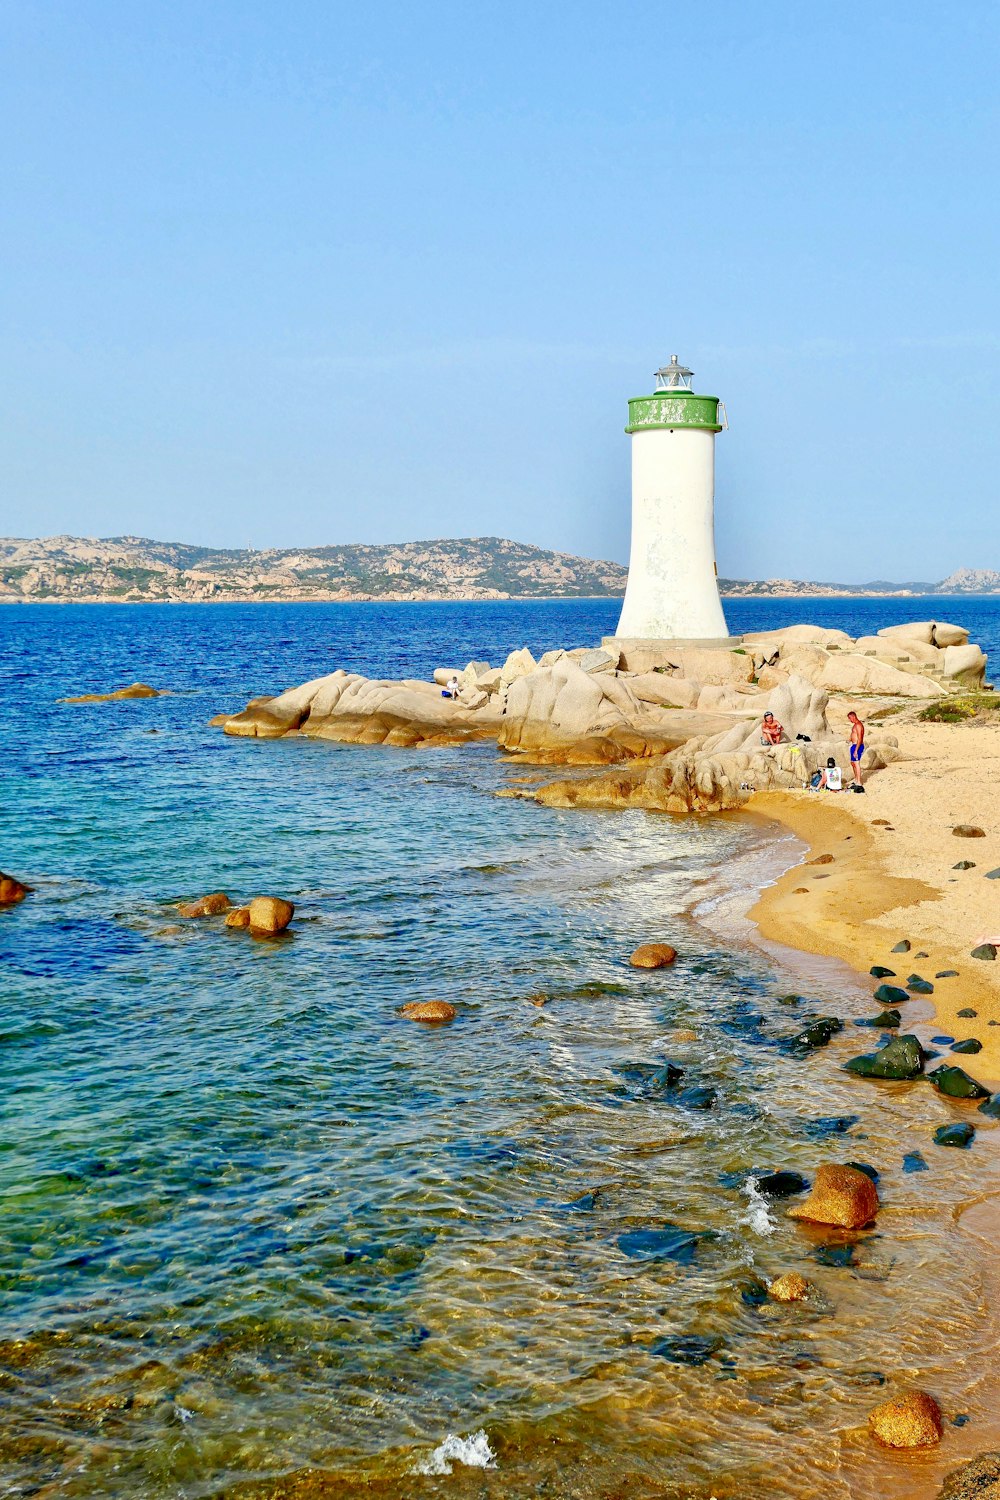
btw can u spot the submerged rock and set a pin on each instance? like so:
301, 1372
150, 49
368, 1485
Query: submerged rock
134, 690
791, 1287
961, 1135
914, 1162
653, 956
270, 915
977, 1480
957, 1084
686, 1349
842, 1196
780, 1184
434, 1011
911, 1420
207, 906
698, 1097
12, 891
668, 1242
902, 1058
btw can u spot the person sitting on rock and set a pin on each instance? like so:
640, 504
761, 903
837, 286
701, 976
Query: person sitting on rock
833, 777
771, 732
452, 689
857, 746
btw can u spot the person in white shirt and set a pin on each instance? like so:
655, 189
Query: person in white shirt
833, 776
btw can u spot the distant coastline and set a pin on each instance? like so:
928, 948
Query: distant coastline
137, 570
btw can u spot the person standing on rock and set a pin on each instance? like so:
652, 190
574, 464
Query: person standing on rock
857, 746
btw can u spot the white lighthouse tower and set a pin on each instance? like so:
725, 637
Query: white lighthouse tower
672, 590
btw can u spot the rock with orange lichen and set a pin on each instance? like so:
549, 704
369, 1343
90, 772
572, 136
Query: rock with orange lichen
840, 1195
208, 906
653, 956
12, 891
428, 1010
238, 917
788, 1288
910, 1420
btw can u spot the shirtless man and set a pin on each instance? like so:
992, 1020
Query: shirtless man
857, 746
770, 730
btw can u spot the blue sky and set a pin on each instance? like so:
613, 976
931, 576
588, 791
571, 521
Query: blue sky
311, 273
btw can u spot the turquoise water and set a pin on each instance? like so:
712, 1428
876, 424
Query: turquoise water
262, 1236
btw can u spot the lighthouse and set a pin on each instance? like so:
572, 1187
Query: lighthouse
672, 591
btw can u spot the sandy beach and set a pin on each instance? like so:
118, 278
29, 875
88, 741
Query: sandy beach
891, 874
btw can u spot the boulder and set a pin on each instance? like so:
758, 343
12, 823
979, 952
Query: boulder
443, 675
653, 956
797, 634
470, 675
909, 1420
11, 890
707, 664
206, 906
901, 1058
788, 1288
840, 1195
845, 673
798, 706
518, 664
949, 635
965, 665
238, 917
956, 1083
921, 631
960, 1135
664, 690
489, 682
595, 660
890, 994
563, 713
432, 1011
269, 915
977, 1480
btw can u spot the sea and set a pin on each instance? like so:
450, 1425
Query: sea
262, 1237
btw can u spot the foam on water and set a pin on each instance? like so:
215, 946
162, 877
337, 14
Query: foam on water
473, 1451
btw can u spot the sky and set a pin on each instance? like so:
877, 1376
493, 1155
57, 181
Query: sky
300, 274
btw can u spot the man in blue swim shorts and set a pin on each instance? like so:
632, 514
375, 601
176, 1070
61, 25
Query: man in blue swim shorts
857, 746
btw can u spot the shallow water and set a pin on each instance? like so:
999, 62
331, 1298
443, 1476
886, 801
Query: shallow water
263, 1237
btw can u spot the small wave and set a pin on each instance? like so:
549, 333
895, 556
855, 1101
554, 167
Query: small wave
757, 1216
473, 1451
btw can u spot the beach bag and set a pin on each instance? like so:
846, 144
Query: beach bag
815, 778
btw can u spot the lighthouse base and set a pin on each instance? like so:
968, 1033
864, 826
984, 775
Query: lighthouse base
639, 654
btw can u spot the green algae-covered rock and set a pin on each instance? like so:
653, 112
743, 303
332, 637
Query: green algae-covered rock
970, 1046
918, 986
961, 1135
986, 951
901, 1058
957, 1084
890, 994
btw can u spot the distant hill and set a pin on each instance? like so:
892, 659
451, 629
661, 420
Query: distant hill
133, 568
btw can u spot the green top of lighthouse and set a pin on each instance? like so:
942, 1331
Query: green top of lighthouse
674, 403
